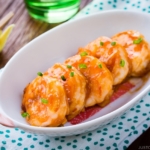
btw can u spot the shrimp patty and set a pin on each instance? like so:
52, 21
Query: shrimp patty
44, 101
99, 79
138, 51
74, 85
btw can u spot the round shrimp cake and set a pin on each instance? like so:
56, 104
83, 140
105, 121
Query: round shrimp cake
97, 75
44, 102
74, 85
138, 50
112, 54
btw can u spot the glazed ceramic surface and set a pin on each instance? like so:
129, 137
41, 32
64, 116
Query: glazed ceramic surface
56, 45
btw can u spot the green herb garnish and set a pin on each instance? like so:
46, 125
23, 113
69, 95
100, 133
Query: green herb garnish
40, 74
100, 65
25, 114
138, 41
72, 74
113, 43
101, 43
122, 63
82, 66
44, 101
63, 78
69, 66
83, 54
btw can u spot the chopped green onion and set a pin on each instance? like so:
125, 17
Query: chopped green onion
138, 41
113, 43
101, 43
122, 63
83, 54
63, 78
25, 114
82, 66
44, 101
72, 74
100, 65
69, 66
40, 74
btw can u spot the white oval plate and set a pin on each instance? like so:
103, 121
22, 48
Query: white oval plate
55, 46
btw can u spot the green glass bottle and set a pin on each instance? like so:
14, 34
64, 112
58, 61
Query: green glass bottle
52, 11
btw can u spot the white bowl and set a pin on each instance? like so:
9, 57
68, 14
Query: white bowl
55, 46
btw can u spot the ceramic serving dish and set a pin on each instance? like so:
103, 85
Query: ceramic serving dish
58, 44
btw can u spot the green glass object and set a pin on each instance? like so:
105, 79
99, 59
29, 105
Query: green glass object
52, 11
